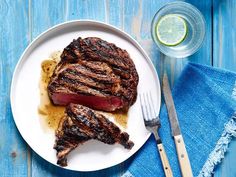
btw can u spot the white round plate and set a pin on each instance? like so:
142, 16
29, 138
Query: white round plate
92, 155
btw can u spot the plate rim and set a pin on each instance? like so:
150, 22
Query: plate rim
71, 22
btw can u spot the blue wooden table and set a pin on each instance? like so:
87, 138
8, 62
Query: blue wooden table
23, 20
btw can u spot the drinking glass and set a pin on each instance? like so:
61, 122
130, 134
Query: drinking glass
195, 34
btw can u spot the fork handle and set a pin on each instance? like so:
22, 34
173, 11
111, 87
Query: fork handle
164, 160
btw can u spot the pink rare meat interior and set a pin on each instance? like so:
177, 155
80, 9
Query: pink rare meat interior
96, 74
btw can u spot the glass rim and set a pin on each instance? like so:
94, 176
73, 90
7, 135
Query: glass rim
197, 11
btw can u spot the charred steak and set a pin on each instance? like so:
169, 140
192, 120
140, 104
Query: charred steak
81, 124
94, 73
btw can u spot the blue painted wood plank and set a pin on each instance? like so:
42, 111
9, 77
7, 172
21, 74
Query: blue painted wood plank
224, 34
115, 13
225, 57
135, 18
148, 12
140, 17
89, 9
13, 40
102, 11
64, 10
115, 17
204, 55
227, 167
45, 14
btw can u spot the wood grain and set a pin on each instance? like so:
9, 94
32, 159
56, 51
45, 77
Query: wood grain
65, 10
224, 34
227, 167
224, 52
22, 21
53, 13
13, 39
204, 55
164, 160
183, 158
89, 9
114, 13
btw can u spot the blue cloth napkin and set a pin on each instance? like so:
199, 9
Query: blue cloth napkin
205, 103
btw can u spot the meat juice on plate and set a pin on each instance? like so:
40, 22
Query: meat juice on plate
50, 114
119, 116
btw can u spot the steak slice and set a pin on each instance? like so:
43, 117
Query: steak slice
94, 73
81, 124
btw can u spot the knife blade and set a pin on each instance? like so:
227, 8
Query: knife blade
170, 107
184, 162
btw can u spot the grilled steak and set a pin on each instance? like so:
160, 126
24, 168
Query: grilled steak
81, 124
94, 73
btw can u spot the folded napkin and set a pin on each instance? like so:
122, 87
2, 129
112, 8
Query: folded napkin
205, 101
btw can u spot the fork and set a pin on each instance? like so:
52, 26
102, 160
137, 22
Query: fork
152, 123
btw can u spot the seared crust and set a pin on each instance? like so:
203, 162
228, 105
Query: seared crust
81, 124
94, 67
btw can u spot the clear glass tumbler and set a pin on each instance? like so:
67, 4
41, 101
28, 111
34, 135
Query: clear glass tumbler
195, 24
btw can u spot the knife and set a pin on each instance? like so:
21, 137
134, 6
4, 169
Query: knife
184, 162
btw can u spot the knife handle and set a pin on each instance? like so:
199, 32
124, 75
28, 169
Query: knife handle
164, 160
184, 162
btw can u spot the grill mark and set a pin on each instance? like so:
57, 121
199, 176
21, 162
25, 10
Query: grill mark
105, 88
70, 84
79, 114
98, 87
85, 81
125, 94
123, 74
63, 88
124, 90
83, 128
112, 131
107, 57
65, 143
101, 56
111, 49
76, 43
74, 131
97, 67
69, 55
114, 63
106, 79
109, 66
104, 45
118, 72
80, 88
96, 124
87, 120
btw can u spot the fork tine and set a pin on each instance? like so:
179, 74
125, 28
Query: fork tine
152, 106
142, 106
151, 115
145, 107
